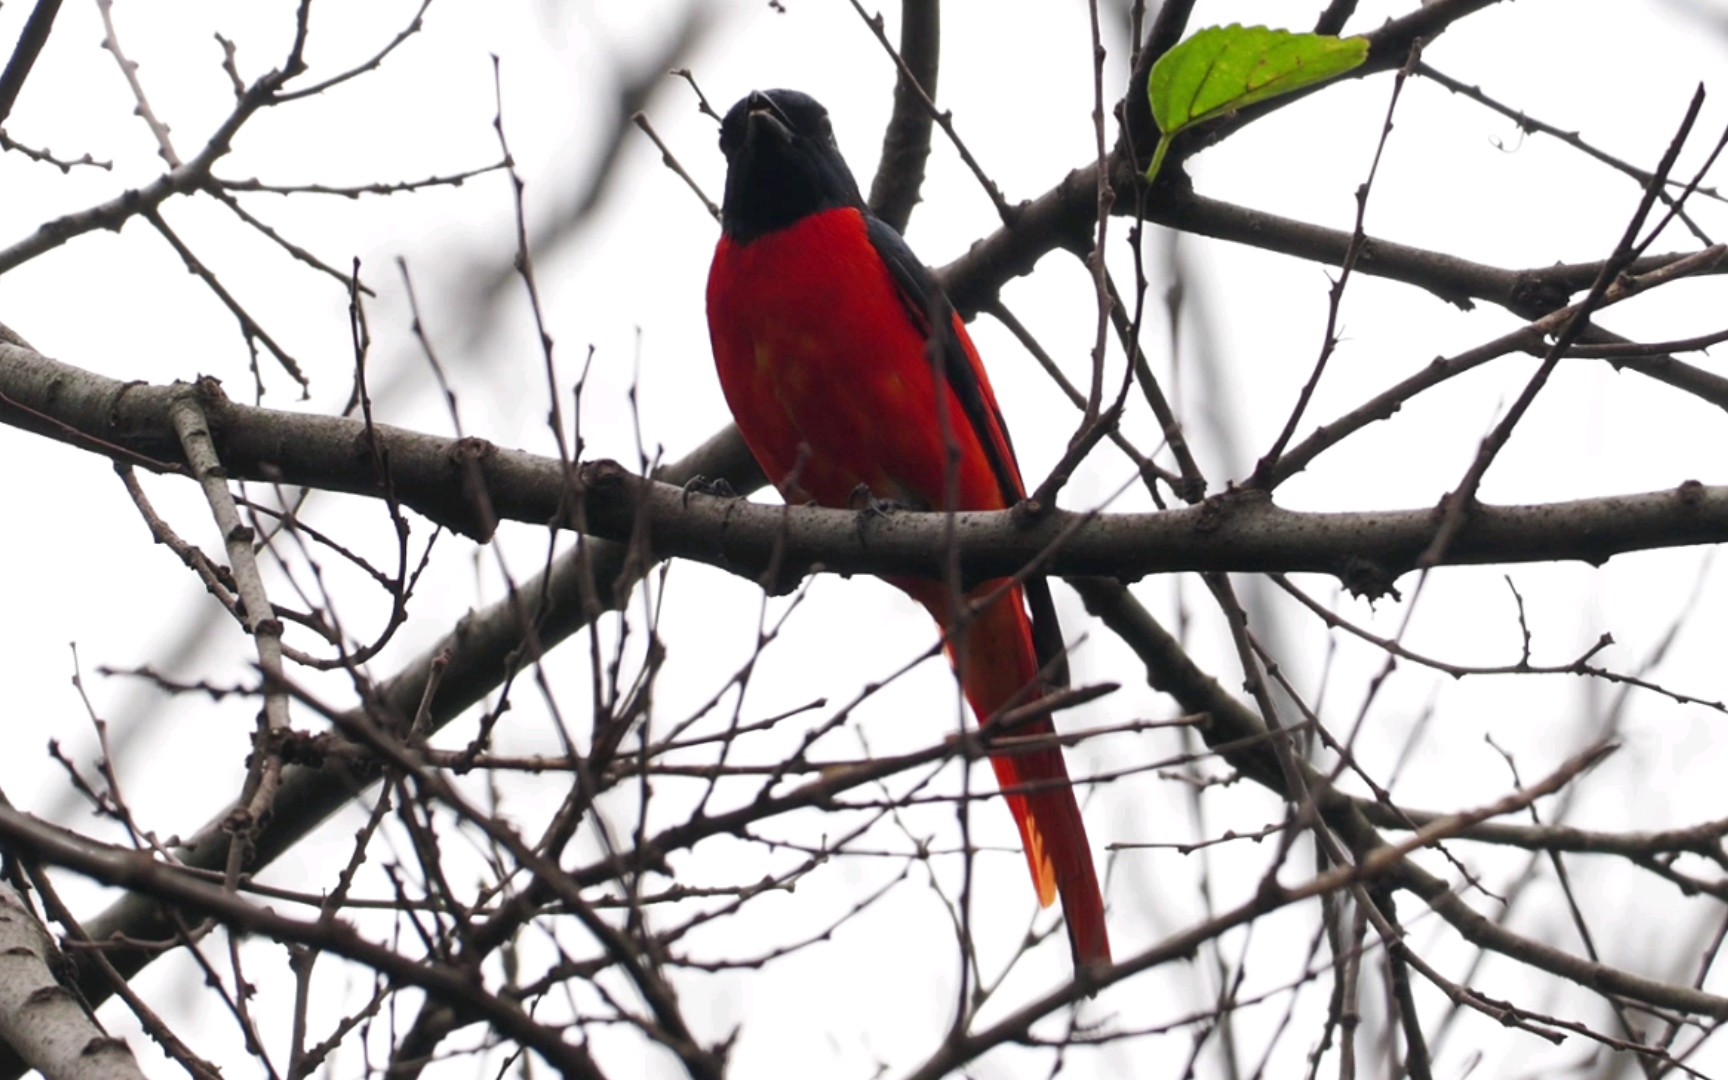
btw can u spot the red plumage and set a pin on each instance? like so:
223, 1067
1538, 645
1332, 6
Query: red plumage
820, 319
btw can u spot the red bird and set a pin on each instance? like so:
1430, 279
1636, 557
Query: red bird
824, 327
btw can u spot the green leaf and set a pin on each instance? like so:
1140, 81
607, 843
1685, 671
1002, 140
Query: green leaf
1225, 68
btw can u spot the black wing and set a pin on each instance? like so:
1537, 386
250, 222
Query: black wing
928, 308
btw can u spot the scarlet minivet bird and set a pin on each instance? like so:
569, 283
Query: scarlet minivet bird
822, 320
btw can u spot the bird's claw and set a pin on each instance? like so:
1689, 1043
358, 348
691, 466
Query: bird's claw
870, 508
866, 503
717, 488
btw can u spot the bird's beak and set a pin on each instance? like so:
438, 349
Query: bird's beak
766, 116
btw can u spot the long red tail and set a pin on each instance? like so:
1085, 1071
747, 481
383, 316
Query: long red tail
997, 664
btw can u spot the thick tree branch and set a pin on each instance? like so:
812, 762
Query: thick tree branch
1230, 532
24, 54
1061, 218
440, 478
906, 142
42, 1021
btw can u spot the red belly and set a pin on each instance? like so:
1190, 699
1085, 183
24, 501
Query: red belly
828, 375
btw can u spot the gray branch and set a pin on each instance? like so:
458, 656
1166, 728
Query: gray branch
44, 1022
444, 479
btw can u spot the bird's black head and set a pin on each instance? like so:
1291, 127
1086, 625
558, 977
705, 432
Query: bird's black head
782, 164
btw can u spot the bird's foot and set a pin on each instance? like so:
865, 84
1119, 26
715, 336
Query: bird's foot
865, 502
870, 508
716, 488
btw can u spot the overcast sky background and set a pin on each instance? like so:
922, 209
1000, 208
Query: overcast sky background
1017, 76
